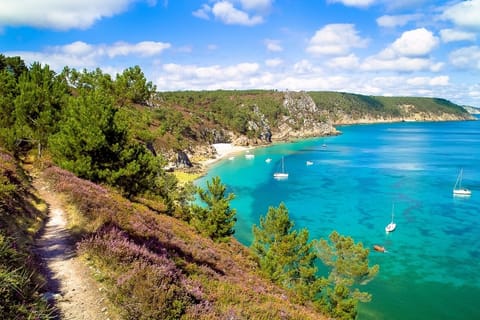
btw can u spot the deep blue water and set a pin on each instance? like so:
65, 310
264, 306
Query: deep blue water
432, 268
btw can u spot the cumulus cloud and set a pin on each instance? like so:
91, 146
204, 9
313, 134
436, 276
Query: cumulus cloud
60, 14
468, 58
83, 55
226, 12
450, 35
406, 54
180, 77
464, 14
335, 39
354, 3
388, 21
273, 45
418, 42
250, 12
346, 62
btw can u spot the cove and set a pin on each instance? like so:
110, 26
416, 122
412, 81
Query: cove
349, 185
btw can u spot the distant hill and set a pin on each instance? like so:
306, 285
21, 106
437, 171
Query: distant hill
192, 120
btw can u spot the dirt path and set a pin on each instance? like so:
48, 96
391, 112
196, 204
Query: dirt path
70, 284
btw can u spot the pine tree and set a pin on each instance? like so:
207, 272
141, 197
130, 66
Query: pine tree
285, 255
41, 96
93, 143
348, 263
217, 219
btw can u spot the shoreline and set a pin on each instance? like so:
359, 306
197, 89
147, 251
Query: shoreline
223, 150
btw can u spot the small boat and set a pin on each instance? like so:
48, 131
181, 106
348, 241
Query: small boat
458, 190
392, 225
282, 174
379, 248
268, 160
309, 163
249, 156
231, 158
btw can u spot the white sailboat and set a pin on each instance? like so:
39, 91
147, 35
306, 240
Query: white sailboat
392, 225
282, 174
458, 189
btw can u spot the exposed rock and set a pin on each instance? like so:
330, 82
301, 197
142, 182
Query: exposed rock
182, 160
304, 119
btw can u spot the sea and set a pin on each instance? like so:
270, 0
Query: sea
353, 183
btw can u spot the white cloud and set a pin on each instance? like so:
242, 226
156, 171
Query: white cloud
203, 12
273, 45
214, 72
258, 5
401, 64
388, 21
335, 39
408, 53
60, 14
346, 62
227, 13
235, 12
450, 35
468, 57
303, 66
180, 77
142, 49
354, 3
429, 81
418, 42
273, 62
83, 55
464, 14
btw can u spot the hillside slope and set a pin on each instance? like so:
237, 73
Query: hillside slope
189, 122
157, 267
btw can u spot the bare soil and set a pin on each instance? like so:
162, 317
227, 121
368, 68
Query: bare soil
70, 283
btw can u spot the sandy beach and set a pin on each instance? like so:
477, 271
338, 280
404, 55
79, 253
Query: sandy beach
225, 150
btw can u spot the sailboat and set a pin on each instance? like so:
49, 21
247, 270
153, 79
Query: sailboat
392, 225
282, 174
458, 189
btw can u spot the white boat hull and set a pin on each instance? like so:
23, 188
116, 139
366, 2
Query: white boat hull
390, 227
462, 192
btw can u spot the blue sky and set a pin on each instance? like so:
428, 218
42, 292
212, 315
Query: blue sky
373, 47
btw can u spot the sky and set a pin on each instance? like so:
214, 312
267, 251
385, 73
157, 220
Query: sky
428, 48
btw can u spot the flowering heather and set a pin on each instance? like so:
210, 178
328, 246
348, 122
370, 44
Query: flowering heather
158, 267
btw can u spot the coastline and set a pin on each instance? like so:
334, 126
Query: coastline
223, 150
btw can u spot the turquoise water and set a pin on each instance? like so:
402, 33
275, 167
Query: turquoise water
432, 268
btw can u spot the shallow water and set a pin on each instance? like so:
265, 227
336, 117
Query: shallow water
432, 269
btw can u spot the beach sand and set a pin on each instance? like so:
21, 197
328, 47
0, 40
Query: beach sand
225, 150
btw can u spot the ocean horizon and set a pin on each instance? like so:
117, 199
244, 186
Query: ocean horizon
349, 183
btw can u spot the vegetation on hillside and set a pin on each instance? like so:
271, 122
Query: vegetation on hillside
158, 267
287, 257
21, 212
362, 106
161, 255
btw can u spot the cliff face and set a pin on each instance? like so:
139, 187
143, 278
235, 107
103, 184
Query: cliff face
303, 120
